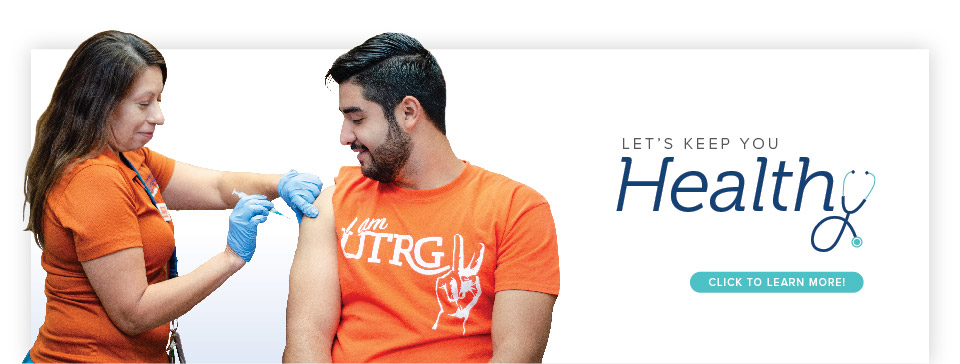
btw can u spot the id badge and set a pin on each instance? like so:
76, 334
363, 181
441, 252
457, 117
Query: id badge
163, 211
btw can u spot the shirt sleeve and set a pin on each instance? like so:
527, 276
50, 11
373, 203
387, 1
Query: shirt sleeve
527, 256
98, 208
160, 165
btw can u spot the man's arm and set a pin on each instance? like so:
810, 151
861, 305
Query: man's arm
313, 304
521, 326
528, 280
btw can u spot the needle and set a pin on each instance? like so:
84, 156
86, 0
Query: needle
273, 210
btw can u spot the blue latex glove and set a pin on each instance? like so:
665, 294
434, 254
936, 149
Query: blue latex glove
299, 190
249, 212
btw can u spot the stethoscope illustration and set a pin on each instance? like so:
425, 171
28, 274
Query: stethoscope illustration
857, 240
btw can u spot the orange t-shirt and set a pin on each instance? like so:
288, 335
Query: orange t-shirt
419, 268
98, 207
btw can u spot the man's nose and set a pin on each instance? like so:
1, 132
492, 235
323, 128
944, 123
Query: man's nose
346, 133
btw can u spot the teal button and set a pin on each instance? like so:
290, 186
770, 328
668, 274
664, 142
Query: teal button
776, 282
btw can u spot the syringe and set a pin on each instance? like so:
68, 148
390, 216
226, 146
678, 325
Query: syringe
273, 210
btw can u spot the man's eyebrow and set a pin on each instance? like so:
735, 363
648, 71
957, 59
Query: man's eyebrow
351, 109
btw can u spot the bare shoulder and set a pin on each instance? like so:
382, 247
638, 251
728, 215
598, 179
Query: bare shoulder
324, 203
313, 229
325, 199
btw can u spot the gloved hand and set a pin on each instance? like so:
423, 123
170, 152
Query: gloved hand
299, 190
250, 211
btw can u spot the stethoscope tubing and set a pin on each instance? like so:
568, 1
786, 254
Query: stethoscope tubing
845, 219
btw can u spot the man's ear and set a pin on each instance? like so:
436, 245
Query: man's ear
409, 113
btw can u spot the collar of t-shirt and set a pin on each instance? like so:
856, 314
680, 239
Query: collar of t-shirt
392, 191
135, 158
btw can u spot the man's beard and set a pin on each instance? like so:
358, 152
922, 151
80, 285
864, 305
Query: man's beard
388, 159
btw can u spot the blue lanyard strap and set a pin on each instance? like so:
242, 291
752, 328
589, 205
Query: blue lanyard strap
142, 183
172, 264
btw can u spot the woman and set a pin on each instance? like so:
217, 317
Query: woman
98, 209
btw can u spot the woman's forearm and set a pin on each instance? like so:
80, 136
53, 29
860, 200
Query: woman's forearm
197, 188
249, 183
164, 301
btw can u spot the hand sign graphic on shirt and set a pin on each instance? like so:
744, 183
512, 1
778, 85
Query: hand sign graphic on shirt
459, 289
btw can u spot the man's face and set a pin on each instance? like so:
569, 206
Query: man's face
382, 146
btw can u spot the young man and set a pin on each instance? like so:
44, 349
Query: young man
417, 255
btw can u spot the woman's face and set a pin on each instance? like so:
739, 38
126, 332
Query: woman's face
132, 123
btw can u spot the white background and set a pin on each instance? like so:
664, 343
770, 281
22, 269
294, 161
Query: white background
839, 108
755, 25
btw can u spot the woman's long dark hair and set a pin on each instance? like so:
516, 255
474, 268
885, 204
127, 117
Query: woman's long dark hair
74, 125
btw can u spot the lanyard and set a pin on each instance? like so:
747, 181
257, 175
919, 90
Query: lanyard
142, 183
174, 345
172, 264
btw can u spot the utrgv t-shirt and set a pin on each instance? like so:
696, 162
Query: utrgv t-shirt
419, 268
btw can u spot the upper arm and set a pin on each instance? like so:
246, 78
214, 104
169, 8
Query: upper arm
194, 188
527, 253
521, 325
527, 280
99, 208
119, 280
313, 304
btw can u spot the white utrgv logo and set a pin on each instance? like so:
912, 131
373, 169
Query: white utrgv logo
457, 290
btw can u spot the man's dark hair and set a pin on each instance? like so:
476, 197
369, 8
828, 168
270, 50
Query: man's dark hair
391, 66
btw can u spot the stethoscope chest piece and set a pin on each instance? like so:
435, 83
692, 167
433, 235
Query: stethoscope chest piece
856, 241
